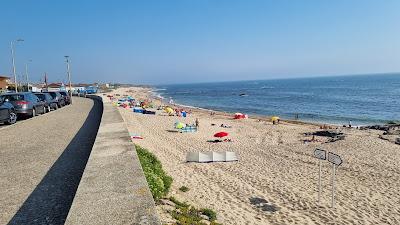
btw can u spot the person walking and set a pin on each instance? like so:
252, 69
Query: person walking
197, 123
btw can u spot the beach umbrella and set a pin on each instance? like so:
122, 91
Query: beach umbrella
221, 134
179, 125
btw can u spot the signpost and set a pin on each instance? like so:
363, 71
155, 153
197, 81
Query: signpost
321, 155
336, 161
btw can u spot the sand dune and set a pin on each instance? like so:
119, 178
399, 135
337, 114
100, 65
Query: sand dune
275, 179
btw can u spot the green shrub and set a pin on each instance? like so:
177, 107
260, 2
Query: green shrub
210, 213
184, 189
185, 214
178, 203
159, 182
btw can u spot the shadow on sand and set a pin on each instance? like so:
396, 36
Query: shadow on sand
263, 204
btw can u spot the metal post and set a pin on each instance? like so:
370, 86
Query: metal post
319, 182
333, 185
26, 74
69, 78
13, 64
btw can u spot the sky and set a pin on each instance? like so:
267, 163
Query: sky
185, 41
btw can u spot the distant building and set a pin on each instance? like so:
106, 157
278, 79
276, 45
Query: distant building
37, 87
4, 82
56, 87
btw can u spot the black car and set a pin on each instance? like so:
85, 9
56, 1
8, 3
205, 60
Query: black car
25, 103
49, 102
7, 113
57, 97
66, 96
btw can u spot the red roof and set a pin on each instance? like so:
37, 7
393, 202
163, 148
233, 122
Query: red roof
55, 85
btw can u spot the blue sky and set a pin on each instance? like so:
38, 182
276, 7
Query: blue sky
183, 41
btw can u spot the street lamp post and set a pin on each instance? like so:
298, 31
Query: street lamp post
13, 64
26, 74
69, 77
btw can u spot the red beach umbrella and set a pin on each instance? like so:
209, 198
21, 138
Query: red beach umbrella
221, 134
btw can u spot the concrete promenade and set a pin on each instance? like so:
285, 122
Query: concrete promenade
113, 189
42, 160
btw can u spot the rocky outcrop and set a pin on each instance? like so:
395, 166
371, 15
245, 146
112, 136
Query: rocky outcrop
392, 138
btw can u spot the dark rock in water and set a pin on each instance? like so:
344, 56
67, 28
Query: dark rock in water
392, 132
385, 127
326, 133
333, 135
391, 138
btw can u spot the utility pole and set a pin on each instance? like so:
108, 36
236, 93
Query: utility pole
13, 64
69, 77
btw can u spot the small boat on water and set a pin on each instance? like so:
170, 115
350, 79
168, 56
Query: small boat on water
243, 94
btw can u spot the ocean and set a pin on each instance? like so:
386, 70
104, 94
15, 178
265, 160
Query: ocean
361, 99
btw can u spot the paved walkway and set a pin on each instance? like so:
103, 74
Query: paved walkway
42, 161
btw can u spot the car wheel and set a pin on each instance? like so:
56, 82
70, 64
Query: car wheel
12, 118
55, 107
33, 112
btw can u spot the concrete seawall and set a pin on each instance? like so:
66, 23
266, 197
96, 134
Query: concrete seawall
113, 188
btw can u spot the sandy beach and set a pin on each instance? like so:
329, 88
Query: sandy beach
275, 180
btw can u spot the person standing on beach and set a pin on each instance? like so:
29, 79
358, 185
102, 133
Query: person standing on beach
197, 122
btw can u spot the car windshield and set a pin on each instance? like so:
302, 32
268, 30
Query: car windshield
53, 94
63, 93
41, 97
12, 98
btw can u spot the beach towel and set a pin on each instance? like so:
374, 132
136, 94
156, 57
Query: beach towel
149, 112
188, 129
135, 136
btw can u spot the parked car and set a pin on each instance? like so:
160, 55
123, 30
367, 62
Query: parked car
58, 98
7, 113
25, 103
49, 102
66, 96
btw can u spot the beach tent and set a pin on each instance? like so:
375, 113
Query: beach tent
240, 116
179, 125
211, 157
169, 110
275, 119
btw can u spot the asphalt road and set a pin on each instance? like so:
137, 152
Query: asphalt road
42, 160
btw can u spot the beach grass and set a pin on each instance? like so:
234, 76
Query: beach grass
159, 182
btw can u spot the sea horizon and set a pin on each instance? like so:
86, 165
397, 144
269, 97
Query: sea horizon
357, 99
